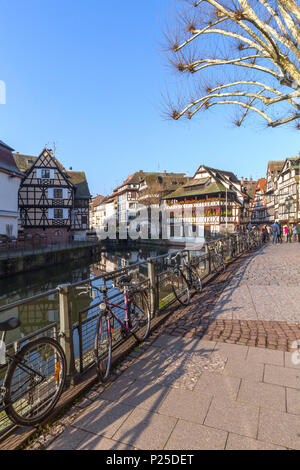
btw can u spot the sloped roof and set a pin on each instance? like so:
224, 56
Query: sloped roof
96, 201
232, 177
197, 182
78, 179
250, 187
7, 162
212, 188
276, 166
24, 162
151, 177
262, 183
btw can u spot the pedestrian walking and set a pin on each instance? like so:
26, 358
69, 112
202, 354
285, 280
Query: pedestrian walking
274, 233
265, 234
286, 233
279, 232
294, 233
298, 231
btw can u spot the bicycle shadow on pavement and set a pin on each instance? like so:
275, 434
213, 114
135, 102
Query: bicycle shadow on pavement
142, 406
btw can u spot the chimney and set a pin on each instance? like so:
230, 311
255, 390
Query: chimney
165, 172
242, 181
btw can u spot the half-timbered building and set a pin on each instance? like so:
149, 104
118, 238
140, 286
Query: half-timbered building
52, 201
80, 213
259, 213
212, 202
273, 171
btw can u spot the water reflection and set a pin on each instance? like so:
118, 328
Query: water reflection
44, 311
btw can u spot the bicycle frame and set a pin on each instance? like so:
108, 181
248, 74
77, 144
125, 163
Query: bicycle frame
110, 305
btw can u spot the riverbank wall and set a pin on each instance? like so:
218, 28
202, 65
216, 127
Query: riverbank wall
29, 262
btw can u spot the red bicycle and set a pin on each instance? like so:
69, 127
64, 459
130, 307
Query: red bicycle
136, 322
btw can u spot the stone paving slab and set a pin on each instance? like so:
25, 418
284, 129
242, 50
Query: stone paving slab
279, 428
239, 418
192, 436
236, 442
218, 385
265, 356
178, 404
146, 430
282, 376
263, 395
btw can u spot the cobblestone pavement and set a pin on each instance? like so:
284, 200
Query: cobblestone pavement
265, 288
185, 393
188, 387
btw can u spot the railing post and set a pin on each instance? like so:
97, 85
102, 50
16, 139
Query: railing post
207, 260
66, 331
152, 280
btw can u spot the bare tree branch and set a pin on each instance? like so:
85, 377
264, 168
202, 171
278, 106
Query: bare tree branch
269, 30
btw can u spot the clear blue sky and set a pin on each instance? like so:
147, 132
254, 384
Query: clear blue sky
89, 75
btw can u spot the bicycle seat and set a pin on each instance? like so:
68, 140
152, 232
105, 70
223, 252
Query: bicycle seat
125, 279
10, 324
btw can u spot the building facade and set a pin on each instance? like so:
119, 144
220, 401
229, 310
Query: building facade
273, 170
52, 201
287, 192
10, 179
259, 212
213, 201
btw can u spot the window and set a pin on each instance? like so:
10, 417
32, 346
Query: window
46, 174
58, 214
84, 219
58, 193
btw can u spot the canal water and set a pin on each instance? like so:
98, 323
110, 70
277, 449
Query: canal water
43, 312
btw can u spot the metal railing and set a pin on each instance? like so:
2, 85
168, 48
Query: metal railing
78, 303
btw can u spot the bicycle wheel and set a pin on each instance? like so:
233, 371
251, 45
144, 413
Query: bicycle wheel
218, 262
196, 280
139, 315
102, 350
35, 381
180, 288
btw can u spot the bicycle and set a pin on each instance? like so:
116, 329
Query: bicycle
184, 278
216, 258
34, 380
136, 322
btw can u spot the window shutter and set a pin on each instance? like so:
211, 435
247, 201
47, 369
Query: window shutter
52, 174
50, 213
38, 173
65, 194
65, 213
50, 193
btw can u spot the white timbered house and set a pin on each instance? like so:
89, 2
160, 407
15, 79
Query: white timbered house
212, 202
259, 213
52, 201
10, 178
